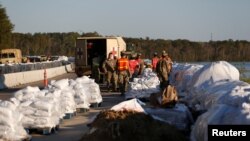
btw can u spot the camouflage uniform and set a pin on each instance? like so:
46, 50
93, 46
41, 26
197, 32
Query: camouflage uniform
163, 71
109, 67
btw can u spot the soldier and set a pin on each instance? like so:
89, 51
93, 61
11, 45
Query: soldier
141, 63
123, 73
109, 68
163, 70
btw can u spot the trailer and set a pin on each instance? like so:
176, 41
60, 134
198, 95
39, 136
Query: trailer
89, 47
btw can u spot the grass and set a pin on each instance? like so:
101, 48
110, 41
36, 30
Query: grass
245, 80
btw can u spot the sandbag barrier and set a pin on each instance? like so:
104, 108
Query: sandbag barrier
31, 66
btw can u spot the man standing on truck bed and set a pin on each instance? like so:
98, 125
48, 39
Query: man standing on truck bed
95, 67
123, 73
109, 68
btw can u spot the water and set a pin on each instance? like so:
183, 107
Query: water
243, 67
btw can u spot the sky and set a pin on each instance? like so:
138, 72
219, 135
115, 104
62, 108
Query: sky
195, 20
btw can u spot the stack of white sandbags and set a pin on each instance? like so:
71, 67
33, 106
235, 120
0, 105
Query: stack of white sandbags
81, 91
67, 95
11, 128
39, 108
88, 90
144, 86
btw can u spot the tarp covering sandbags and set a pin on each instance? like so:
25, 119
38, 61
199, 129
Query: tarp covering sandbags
212, 75
123, 123
181, 76
220, 114
178, 116
144, 85
11, 128
216, 88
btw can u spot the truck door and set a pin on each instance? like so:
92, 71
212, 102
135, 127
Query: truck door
81, 53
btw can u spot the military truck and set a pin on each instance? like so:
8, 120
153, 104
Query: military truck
89, 47
10, 56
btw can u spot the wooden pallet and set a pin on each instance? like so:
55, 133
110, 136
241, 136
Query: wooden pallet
43, 131
95, 105
69, 115
81, 110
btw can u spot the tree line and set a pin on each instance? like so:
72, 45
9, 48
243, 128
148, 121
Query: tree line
179, 50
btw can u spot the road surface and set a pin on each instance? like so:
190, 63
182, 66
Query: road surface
70, 129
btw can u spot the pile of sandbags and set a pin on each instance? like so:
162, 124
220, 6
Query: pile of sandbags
143, 86
86, 90
11, 128
40, 109
67, 95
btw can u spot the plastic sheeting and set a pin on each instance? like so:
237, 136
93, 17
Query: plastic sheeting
220, 114
216, 88
129, 105
179, 116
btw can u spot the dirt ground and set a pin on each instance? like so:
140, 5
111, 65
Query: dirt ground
130, 126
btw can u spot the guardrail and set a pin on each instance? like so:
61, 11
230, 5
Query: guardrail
36, 73
31, 66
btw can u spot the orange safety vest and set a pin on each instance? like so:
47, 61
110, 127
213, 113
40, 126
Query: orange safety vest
123, 64
154, 62
132, 65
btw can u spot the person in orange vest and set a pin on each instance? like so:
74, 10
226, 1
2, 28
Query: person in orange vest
123, 73
133, 65
154, 60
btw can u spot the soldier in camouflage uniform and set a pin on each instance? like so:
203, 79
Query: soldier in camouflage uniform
109, 68
163, 70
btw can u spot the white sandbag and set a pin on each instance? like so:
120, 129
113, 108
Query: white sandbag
43, 105
10, 123
67, 101
81, 99
129, 105
60, 84
94, 93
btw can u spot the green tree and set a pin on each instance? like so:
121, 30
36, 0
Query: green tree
6, 28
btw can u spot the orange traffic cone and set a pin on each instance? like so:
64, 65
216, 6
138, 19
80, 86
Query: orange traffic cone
45, 82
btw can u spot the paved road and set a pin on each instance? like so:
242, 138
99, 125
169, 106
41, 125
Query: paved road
70, 129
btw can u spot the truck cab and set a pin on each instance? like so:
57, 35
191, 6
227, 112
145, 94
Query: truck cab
89, 47
10, 56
